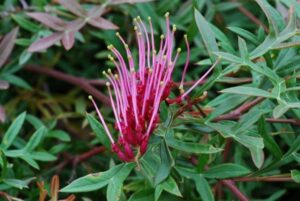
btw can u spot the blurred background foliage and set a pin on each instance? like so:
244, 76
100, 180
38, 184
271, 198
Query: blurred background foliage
240, 136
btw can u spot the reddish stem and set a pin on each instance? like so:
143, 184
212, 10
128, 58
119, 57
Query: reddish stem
82, 157
80, 82
232, 187
264, 179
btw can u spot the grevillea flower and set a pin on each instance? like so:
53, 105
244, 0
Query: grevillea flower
139, 90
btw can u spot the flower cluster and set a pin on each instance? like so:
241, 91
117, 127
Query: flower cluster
138, 92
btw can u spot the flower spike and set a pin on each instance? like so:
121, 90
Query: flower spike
136, 92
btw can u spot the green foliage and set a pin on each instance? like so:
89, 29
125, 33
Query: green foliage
241, 124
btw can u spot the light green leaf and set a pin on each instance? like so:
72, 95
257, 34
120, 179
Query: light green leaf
243, 48
92, 182
35, 139
12, 131
279, 110
115, 185
244, 33
169, 185
59, 134
248, 91
295, 175
229, 57
257, 156
20, 184
273, 16
207, 34
42, 156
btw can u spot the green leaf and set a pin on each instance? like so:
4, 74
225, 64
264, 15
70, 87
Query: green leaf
207, 34
227, 170
30, 161
169, 185
98, 130
20, 184
279, 110
143, 195
114, 189
257, 156
203, 188
34, 121
274, 18
248, 91
270, 143
296, 157
12, 131
12, 79
42, 156
92, 182
294, 147
249, 141
295, 175
25, 24
35, 140
192, 147
3, 164
59, 134
243, 48
229, 57
166, 163
244, 33
24, 57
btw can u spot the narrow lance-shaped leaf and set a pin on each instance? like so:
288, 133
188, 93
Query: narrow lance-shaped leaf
15, 80
227, 170
102, 23
203, 188
166, 164
169, 185
295, 175
68, 40
268, 139
114, 188
248, 91
35, 139
92, 182
73, 6
7, 44
243, 48
2, 114
191, 147
274, 18
4, 85
49, 20
98, 130
44, 43
12, 131
207, 35
113, 2
257, 156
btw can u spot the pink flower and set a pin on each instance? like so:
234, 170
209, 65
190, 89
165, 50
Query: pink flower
138, 91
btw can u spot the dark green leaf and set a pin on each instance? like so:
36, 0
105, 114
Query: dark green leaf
227, 170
